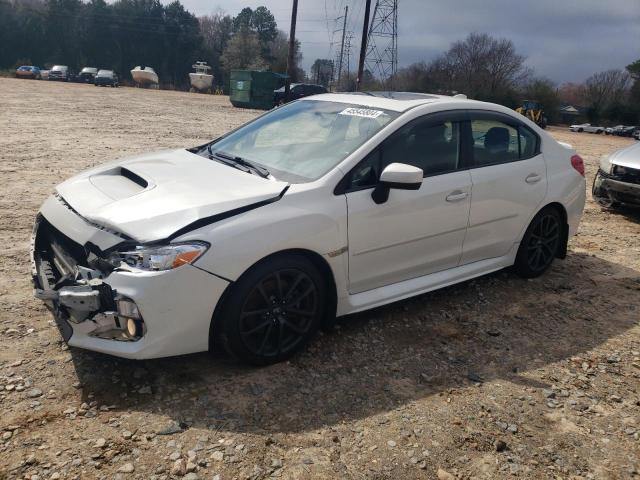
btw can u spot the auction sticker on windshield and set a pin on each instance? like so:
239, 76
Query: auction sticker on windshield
362, 112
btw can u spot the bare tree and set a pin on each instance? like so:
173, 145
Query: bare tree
216, 30
606, 88
322, 71
482, 67
571, 93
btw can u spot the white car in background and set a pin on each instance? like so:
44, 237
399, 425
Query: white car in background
327, 206
586, 127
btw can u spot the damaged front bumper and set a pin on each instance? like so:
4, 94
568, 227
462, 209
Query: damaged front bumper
127, 313
610, 188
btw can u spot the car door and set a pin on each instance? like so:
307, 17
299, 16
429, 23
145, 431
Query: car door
509, 180
415, 232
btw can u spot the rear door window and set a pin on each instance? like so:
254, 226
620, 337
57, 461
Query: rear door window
496, 141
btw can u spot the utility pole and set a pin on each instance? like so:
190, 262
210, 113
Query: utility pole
363, 43
348, 55
344, 31
292, 47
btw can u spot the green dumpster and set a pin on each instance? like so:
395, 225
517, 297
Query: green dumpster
254, 89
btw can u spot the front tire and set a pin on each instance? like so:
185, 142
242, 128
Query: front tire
274, 310
540, 244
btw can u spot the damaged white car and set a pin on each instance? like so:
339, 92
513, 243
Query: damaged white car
327, 206
617, 182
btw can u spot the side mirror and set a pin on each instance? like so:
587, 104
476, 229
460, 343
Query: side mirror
397, 175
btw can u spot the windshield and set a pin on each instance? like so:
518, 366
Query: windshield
105, 73
302, 141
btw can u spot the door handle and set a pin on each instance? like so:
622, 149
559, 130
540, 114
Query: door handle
456, 196
533, 178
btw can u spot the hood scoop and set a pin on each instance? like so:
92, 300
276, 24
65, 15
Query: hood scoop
119, 183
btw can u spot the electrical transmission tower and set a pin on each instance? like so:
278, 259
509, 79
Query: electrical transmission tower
382, 42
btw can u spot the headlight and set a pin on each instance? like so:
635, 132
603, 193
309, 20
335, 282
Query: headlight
163, 257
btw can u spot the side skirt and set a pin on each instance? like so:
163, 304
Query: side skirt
417, 286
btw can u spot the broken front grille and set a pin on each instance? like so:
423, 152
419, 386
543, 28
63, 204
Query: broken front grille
55, 255
623, 174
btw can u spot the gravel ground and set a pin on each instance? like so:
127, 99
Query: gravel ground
494, 378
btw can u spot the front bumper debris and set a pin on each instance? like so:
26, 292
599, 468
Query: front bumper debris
74, 291
609, 189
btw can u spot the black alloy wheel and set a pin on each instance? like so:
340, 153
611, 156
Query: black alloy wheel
540, 244
543, 242
273, 310
278, 313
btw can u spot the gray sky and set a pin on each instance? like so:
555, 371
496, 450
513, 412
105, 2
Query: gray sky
565, 40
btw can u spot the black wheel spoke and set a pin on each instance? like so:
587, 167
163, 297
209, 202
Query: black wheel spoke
265, 339
266, 298
279, 283
298, 311
293, 286
280, 336
257, 328
293, 327
536, 257
302, 296
252, 313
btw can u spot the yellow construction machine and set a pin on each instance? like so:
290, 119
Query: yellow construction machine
534, 112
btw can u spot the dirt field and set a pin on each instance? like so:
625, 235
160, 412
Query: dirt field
495, 378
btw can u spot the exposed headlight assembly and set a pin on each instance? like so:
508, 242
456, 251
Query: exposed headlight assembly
163, 257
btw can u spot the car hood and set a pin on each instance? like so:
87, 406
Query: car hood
627, 157
155, 196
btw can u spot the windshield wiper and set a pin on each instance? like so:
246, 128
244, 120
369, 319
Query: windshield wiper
261, 171
227, 162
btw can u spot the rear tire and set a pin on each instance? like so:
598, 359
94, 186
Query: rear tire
540, 244
273, 310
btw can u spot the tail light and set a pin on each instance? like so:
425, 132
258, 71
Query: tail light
578, 164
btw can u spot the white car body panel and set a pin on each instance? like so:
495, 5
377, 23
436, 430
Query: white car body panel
625, 157
416, 286
412, 234
177, 320
377, 254
504, 197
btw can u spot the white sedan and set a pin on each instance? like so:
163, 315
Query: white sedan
329, 205
586, 127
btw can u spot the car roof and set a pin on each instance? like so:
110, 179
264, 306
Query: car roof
395, 101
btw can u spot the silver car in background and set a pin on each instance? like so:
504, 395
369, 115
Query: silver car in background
618, 179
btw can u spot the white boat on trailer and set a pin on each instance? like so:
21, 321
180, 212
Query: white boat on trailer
145, 77
201, 80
